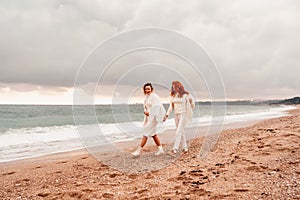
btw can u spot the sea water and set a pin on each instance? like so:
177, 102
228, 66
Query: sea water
35, 130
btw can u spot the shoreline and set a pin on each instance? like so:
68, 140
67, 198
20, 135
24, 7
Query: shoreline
34, 141
169, 133
258, 161
131, 144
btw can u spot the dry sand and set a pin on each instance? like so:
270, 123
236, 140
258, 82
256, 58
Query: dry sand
257, 162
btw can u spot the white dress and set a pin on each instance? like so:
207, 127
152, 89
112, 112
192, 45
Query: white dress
153, 105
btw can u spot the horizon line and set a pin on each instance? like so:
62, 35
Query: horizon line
205, 101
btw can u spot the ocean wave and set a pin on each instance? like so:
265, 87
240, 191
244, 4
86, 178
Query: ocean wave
17, 143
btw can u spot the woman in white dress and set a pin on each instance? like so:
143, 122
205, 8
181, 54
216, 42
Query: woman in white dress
182, 104
154, 113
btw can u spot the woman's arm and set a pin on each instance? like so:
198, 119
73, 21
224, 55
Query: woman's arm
170, 109
192, 102
146, 112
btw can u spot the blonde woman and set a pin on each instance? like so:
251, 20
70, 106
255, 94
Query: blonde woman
154, 113
182, 104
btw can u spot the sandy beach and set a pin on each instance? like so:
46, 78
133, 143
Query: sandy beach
261, 161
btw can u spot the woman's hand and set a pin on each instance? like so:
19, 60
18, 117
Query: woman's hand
146, 113
192, 103
165, 117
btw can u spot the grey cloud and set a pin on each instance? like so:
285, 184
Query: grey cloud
254, 43
46, 43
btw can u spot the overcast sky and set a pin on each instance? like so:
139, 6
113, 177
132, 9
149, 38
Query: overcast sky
254, 43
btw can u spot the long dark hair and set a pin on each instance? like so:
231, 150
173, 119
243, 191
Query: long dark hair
180, 87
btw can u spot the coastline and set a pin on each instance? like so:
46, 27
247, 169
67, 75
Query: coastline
257, 161
129, 145
16, 143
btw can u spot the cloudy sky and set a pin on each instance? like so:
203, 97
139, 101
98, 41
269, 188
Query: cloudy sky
254, 43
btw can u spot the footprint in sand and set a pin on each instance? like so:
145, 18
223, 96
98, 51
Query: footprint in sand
141, 191
199, 192
263, 167
294, 162
132, 176
258, 153
8, 173
62, 162
255, 168
108, 195
43, 194
87, 190
74, 194
113, 175
197, 172
241, 190
221, 165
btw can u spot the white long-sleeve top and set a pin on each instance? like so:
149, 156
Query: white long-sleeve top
153, 105
179, 104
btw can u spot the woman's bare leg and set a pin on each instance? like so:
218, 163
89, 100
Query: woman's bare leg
160, 148
156, 140
139, 148
144, 141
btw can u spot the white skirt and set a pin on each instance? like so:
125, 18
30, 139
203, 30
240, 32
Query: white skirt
149, 129
153, 122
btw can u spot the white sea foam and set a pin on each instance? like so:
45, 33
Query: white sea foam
22, 143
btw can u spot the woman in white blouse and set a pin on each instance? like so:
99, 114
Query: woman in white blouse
182, 104
154, 113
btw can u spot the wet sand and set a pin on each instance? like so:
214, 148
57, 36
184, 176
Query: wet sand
261, 161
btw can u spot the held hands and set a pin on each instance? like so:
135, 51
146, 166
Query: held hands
165, 117
146, 113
